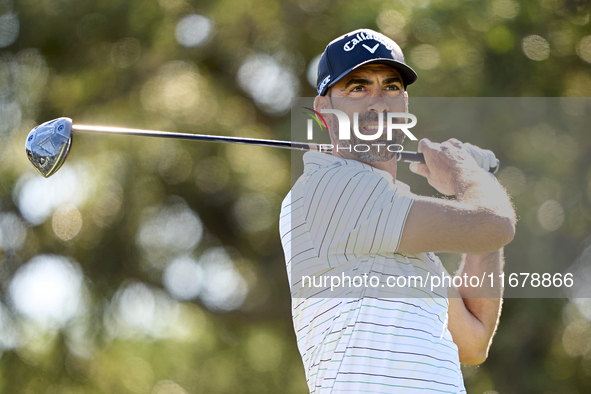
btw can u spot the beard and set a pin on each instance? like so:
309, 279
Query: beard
378, 151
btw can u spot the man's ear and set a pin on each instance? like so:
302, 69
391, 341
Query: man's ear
406, 101
321, 102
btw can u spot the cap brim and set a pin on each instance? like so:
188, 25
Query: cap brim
408, 74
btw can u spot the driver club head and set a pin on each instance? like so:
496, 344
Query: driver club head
48, 145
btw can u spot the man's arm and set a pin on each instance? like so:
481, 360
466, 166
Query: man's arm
480, 220
474, 311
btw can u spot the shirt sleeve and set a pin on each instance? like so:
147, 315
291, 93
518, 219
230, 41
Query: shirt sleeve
352, 212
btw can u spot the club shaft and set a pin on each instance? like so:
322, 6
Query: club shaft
402, 156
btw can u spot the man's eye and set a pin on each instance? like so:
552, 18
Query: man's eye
359, 88
392, 87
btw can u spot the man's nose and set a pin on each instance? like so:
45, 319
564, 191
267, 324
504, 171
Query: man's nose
378, 104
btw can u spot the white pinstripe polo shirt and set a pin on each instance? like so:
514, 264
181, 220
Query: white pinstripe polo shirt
344, 219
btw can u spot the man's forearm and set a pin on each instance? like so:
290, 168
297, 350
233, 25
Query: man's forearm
477, 265
474, 311
484, 302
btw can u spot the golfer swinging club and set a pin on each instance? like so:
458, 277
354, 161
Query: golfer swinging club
348, 217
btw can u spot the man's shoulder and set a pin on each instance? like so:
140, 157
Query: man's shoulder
319, 166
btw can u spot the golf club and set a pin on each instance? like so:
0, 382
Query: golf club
49, 143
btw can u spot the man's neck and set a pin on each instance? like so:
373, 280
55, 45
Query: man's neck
388, 166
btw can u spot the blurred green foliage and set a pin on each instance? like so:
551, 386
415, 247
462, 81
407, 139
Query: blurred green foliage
127, 208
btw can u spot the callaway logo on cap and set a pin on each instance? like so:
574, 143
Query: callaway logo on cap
358, 48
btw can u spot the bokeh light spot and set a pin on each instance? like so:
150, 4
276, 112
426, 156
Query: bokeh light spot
579, 292
183, 278
576, 338
551, 215
562, 39
270, 85
9, 330
224, 288
261, 169
11, 115
179, 92
421, 3
168, 387
173, 228
584, 49
193, 30
140, 309
507, 9
583, 304
536, 48
37, 197
22, 83
425, 57
392, 23
66, 222
48, 289
9, 29
312, 71
13, 232
500, 39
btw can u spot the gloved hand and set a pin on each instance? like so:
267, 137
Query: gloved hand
484, 157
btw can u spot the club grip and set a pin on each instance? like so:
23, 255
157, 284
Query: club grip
411, 157
416, 157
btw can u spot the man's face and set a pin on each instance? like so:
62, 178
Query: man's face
368, 91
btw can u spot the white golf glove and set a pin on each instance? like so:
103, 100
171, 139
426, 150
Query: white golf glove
484, 157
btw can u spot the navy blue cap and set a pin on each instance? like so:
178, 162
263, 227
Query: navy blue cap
356, 49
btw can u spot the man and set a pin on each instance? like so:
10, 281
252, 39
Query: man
348, 217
